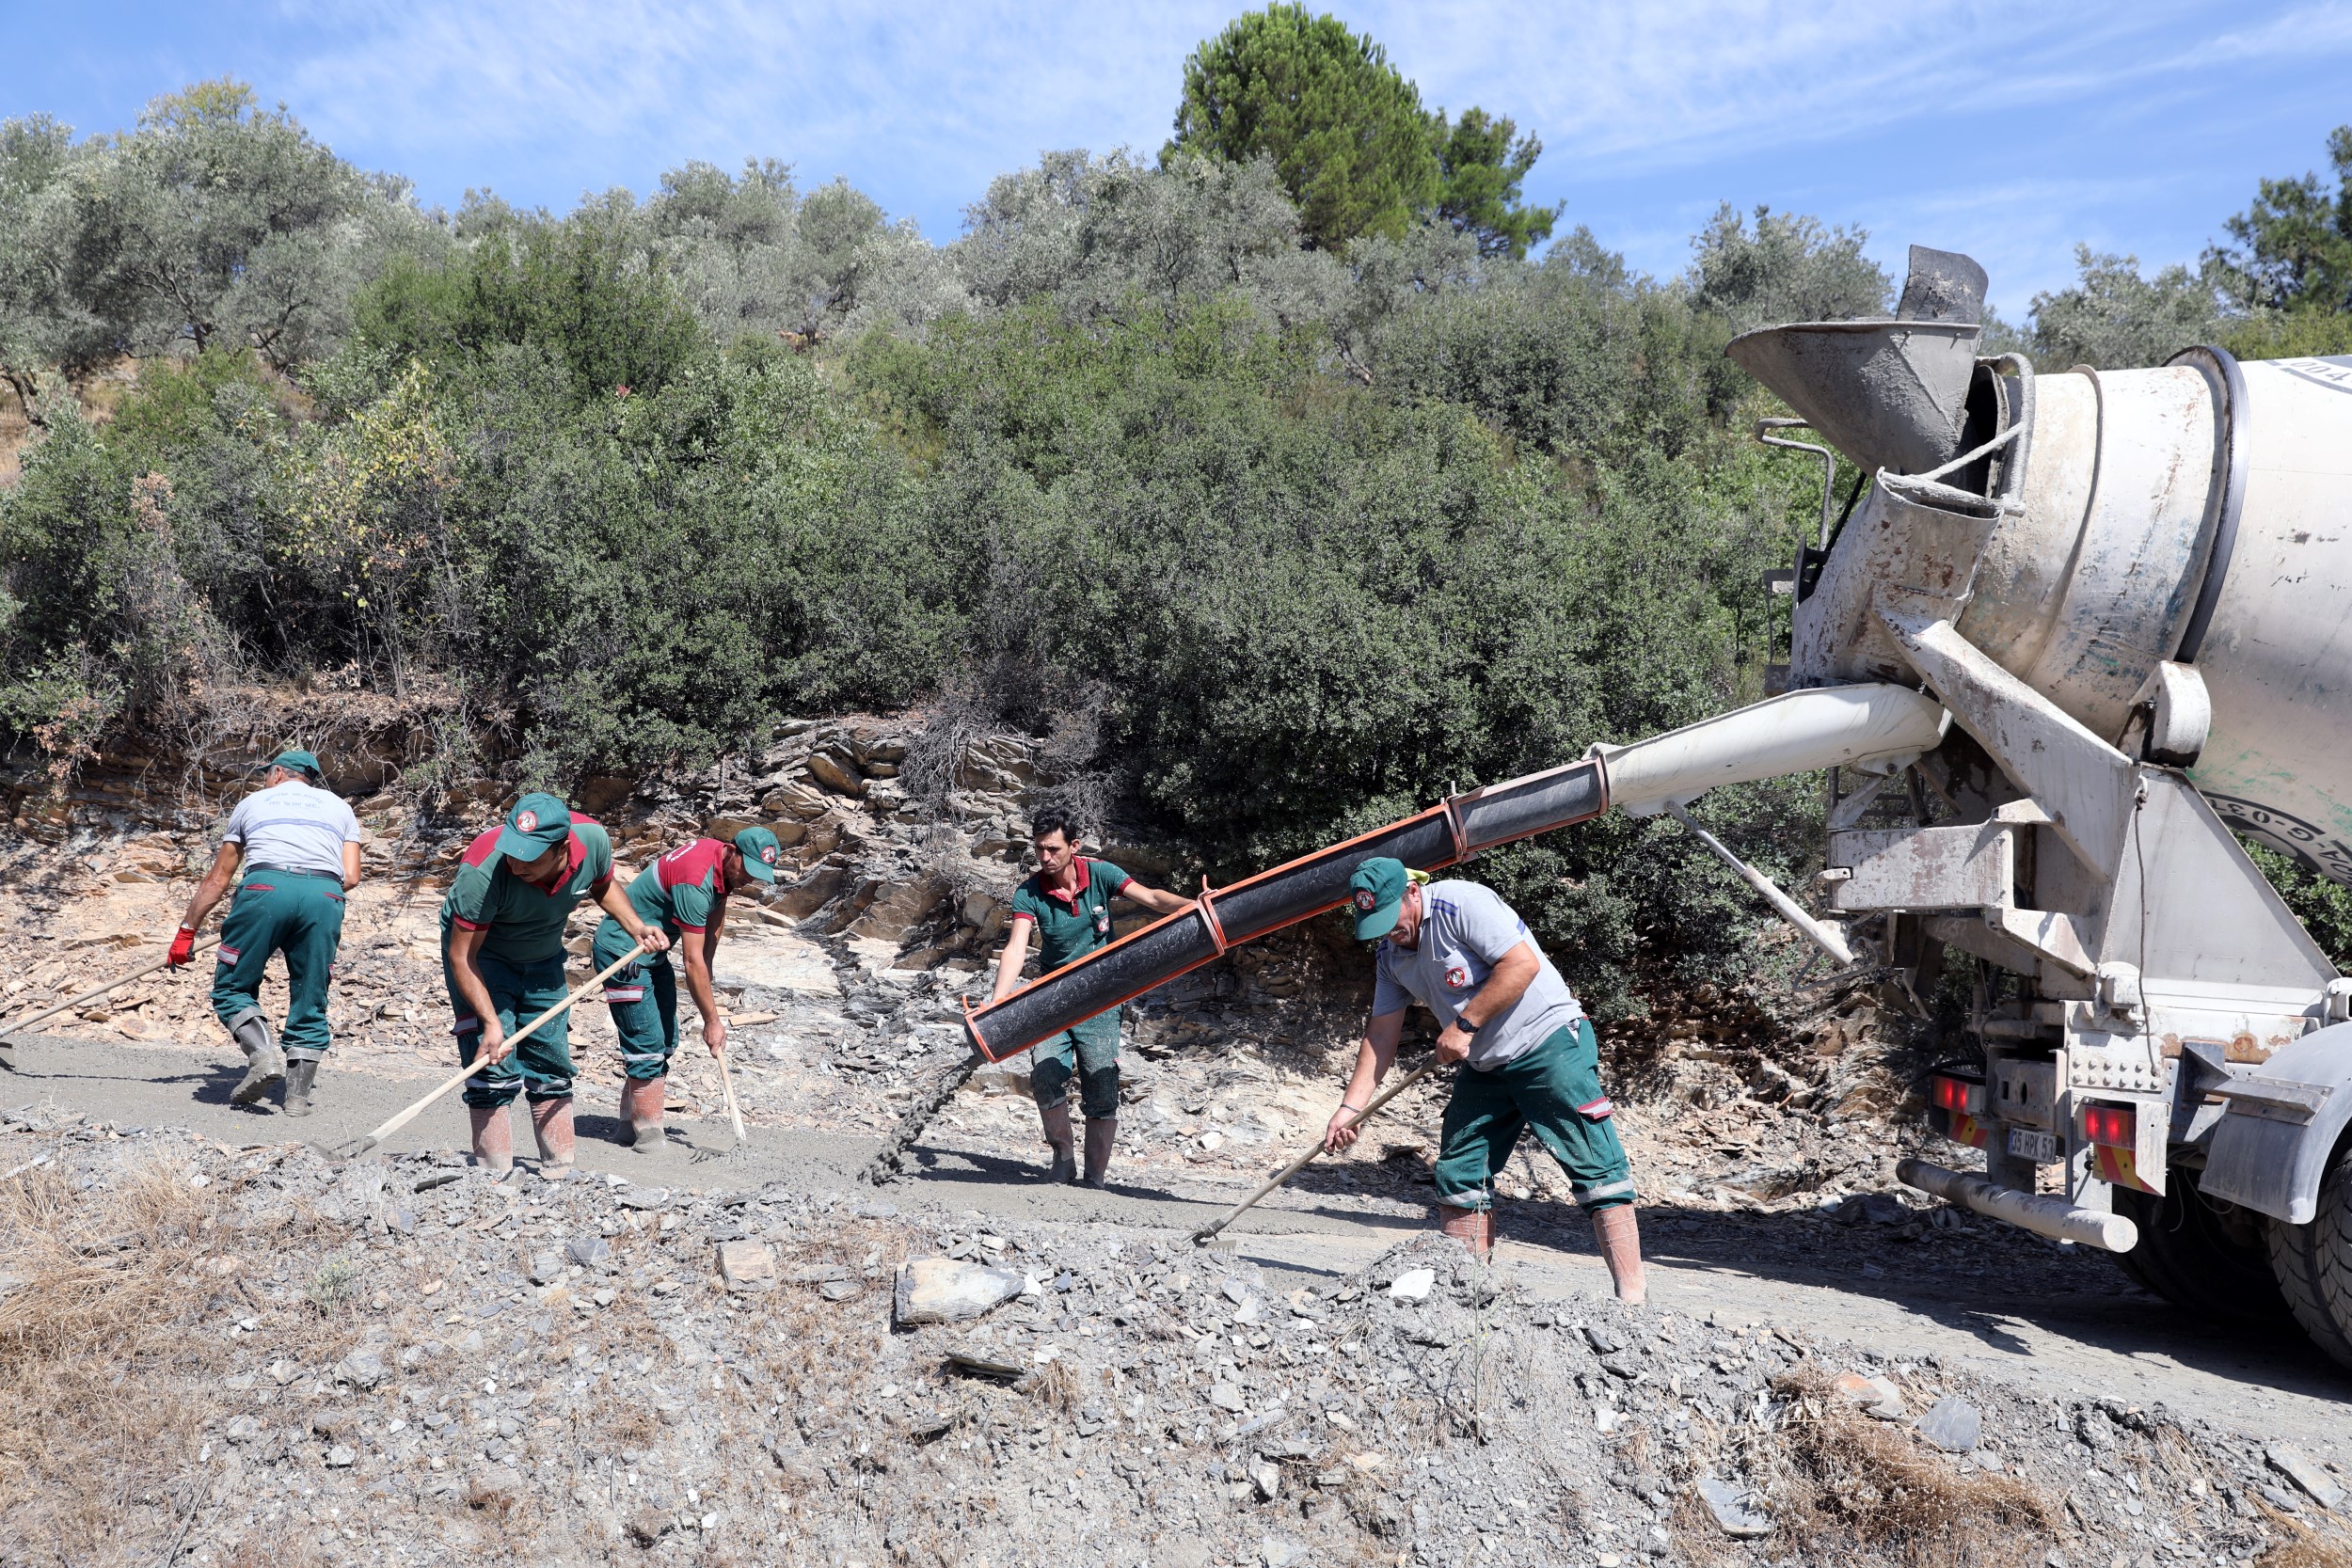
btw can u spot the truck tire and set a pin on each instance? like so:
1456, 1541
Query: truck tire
2314, 1263
2211, 1261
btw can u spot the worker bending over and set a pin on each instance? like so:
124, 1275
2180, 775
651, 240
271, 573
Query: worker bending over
1069, 903
301, 846
1526, 1050
502, 957
685, 892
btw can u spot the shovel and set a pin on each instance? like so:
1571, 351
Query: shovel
1201, 1236
23, 1023
351, 1148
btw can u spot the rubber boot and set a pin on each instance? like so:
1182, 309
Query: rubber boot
1620, 1237
264, 1064
1474, 1228
1060, 1137
1101, 1134
640, 1106
301, 1072
493, 1138
552, 1123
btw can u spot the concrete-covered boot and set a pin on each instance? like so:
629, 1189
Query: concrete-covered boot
1474, 1228
1620, 1237
493, 1138
1102, 1138
264, 1064
551, 1124
1062, 1139
301, 1072
640, 1106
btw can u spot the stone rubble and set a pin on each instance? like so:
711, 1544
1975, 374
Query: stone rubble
373, 1394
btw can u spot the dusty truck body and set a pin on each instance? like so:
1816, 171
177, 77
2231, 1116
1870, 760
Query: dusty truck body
2084, 629
2133, 593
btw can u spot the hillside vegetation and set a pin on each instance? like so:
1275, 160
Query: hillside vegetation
1279, 521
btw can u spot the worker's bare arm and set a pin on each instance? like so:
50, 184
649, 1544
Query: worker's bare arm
1008, 962
216, 879
351, 866
1505, 983
698, 952
464, 943
614, 901
1375, 1053
1155, 899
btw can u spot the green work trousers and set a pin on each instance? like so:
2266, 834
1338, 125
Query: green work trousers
541, 1065
1089, 1052
1554, 1088
643, 999
299, 914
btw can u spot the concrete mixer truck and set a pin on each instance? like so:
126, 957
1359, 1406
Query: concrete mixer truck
2084, 629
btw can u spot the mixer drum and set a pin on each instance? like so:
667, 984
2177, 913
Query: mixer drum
2201, 512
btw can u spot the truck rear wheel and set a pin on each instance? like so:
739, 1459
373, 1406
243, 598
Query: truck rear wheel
2207, 1257
2314, 1263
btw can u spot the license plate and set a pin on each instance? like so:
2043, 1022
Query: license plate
2026, 1144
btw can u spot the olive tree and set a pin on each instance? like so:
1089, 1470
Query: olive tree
217, 222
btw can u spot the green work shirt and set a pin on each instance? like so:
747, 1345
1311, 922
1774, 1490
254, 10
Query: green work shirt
525, 922
1070, 924
677, 891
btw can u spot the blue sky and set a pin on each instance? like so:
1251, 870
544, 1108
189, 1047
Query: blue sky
2010, 128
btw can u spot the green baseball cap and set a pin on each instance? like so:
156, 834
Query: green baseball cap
298, 762
538, 823
761, 853
1378, 891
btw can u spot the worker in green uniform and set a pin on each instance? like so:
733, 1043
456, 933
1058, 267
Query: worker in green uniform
685, 892
502, 957
1068, 902
300, 845
1529, 1060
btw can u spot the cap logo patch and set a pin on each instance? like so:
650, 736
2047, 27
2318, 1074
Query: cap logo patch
767, 854
527, 821
1456, 978
1365, 902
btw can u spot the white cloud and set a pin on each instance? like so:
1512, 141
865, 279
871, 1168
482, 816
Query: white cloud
1630, 85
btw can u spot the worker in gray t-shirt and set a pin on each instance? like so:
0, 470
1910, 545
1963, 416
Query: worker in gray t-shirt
300, 845
1528, 1053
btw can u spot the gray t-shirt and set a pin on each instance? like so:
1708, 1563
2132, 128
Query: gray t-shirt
295, 826
1465, 932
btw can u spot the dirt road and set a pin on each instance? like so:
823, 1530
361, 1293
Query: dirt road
2060, 1323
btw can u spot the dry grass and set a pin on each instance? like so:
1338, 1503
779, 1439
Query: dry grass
1844, 1481
1055, 1386
2304, 1547
99, 1422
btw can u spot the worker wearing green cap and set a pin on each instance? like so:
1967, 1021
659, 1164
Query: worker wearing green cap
685, 892
1528, 1055
503, 956
299, 843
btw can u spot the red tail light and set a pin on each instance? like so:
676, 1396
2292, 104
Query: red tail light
2109, 1125
1959, 1095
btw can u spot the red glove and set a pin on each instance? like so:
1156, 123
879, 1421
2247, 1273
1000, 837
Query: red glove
182, 948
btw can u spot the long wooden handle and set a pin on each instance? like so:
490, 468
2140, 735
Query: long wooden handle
405, 1117
727, 1081
23, 1023
1200, 1237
